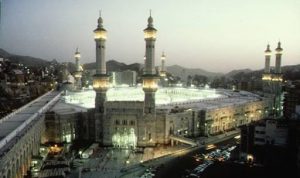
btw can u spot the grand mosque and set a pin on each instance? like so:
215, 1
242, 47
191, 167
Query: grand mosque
149, 115
128, 117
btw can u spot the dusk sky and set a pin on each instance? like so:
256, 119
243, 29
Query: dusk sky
215, 35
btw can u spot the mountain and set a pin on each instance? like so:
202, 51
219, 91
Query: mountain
234, 72
183, 72
113, 65
291, 72
4, 54
26, 60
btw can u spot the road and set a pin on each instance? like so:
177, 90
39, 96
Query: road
177, 167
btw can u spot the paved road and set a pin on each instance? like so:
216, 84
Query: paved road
175, 156
110, 163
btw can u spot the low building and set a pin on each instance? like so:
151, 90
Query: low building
272, 142
126, 77
291, 100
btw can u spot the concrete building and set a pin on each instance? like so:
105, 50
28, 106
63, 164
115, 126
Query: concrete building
272, 143
21, 133
291, 100
127, 117
126, 77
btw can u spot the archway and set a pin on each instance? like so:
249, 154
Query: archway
8, 175
124, 139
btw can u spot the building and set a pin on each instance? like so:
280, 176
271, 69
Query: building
291, 100
126, 77
129, 117
122, 117
272, 142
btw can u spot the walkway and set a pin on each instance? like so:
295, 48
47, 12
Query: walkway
15, 124
182, 140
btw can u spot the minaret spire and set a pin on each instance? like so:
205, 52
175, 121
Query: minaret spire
100, 79
150, 76
163, 61
278, 58
78, 72
268, 54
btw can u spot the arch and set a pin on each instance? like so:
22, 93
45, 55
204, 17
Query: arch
13, 170
24, 163
8, 174
17, 168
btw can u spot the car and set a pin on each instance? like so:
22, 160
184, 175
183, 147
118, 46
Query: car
86, 169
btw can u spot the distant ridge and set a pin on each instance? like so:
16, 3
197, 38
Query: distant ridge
183, 72
290, 72
113, 65
26, 60
234, 72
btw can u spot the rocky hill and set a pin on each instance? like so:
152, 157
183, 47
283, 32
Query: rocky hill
183, 72
113, 65
26, 60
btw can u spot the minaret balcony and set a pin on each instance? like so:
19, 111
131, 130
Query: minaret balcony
266, 77
268, 53
77, 55
77, 74
163, 73
150, 34
100, 34
101, 83
272, 77
150, 84
277, 78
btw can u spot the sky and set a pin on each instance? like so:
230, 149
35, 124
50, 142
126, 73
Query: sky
215, 35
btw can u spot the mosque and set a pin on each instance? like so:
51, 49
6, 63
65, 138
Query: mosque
129, 117
150, 115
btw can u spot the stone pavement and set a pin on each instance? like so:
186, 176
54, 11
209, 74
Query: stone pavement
137, 171
110, 163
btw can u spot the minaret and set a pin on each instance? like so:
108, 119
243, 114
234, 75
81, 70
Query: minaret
163, 60
78, 72
277, 81
150, 77
278, 58
100, 82
266, 76
268, 54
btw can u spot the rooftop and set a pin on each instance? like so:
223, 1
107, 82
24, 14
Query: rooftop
13, 124
166, 98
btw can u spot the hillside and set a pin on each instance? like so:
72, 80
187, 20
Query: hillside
183, 72
113, 65
234, 72
291, 72
26, 60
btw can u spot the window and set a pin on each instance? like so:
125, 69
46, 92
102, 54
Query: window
132, 123
117, 122
124, 122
